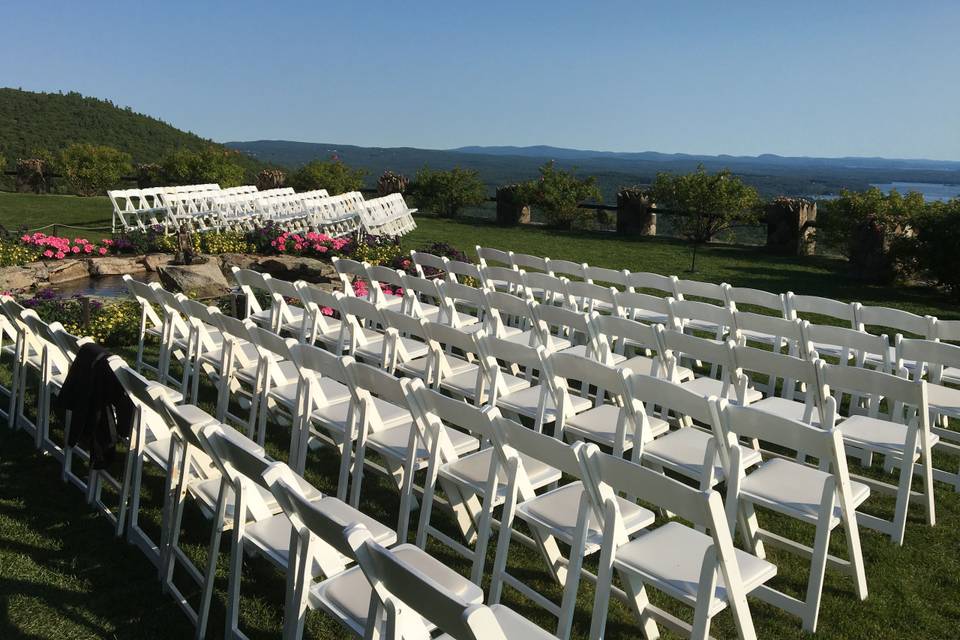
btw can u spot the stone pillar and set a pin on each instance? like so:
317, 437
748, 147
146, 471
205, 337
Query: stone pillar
511, 211
635, 213
791, 226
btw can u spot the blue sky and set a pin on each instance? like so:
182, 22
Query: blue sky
799, 78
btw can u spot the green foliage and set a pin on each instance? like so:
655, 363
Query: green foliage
842, 222
933, 247
225, 242
332, 175
558, 192
712, 202
447, 192
92, 169
208, 165
15, 253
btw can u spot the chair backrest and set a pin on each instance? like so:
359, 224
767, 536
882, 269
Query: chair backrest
464, 272
929, 355
546, 449
795, 376
460, 297
309, 358
683, 311
780, 328
945, 330
543, 287
234, 454
395, 582
378, 382
852, 345
488, 255
508, 309
526, 261
493, 275
564, 323
614, 335
638, 280
745, 296
889, 396
673, 399
429, 265
902, 322
583, 296
567, 268
711, 351
630, 304
816, 305
684, 289
606, 276
145, 295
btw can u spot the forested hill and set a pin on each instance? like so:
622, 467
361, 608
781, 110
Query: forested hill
31, 122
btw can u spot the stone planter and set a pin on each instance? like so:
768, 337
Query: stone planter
635, 213
871, 251
510, 210
791, 226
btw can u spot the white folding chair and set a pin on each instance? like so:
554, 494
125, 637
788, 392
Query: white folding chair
697, 566
151, 324
404, 593
812, 308
567, 268
288, 317
791, 389
718, 355
324, 327
564, 514
824, 497
255, 286
895, 424
323, 534
909, 325
643, 307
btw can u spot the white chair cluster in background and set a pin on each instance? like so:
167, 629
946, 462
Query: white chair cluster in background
207, 207
490, 389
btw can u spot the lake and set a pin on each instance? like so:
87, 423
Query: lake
930, 190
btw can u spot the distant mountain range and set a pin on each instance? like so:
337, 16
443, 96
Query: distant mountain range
772, 175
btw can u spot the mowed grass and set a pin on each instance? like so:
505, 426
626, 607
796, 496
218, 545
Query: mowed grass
30, 211
64, 575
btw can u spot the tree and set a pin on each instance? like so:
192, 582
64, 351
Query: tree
934, 245
558, 193
92, 169
448, 192
332, 175
707, 204
207, 166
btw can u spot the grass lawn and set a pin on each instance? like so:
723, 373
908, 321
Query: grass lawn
28, 210
62, 574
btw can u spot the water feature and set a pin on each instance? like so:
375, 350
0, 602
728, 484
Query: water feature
102, 286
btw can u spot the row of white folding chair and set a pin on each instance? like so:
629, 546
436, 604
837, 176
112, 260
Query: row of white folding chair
387, 215
336, 215
137, 208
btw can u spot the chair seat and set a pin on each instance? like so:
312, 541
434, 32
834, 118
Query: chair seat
670, 558
526, 401
786, 408
557, 511
513, 625
794, 490
556, 343
394, 442
288, 370
512, 334
599, 425
207, 491
347, 595
707, 386
945, 400
758, 336
262, 317
465, 383
271, 535
472, 471
334, 415
950, 374
880, 436
333, 391
684, 450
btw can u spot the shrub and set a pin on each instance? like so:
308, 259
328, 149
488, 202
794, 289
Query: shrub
448, 192
709, 203
149, 175
224, 242
92, 169
32, 175
210, 165
139, 241
332, 175
558, 192
933, 248
114, 324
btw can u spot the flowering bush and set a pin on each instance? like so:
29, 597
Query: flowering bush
16, 253
153, 239
317, 245
113, 324
58, 248
377, 250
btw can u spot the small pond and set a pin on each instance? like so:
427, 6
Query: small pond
101, 287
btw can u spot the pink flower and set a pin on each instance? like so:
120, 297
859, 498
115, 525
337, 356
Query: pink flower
25, 237
88, 248
48, 253
108, 242
321, 249
61, 255
103, 250
298, 247
75, 249
327, 311
273, 243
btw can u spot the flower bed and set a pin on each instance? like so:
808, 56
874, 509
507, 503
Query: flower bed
113, 324
58, 248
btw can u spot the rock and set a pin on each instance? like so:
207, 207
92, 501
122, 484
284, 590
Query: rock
153, 261
16, 278
67, 270
230, 260
295, 267
196, 280
115, 265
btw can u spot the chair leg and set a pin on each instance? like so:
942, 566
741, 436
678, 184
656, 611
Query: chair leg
203, 613
818, 566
